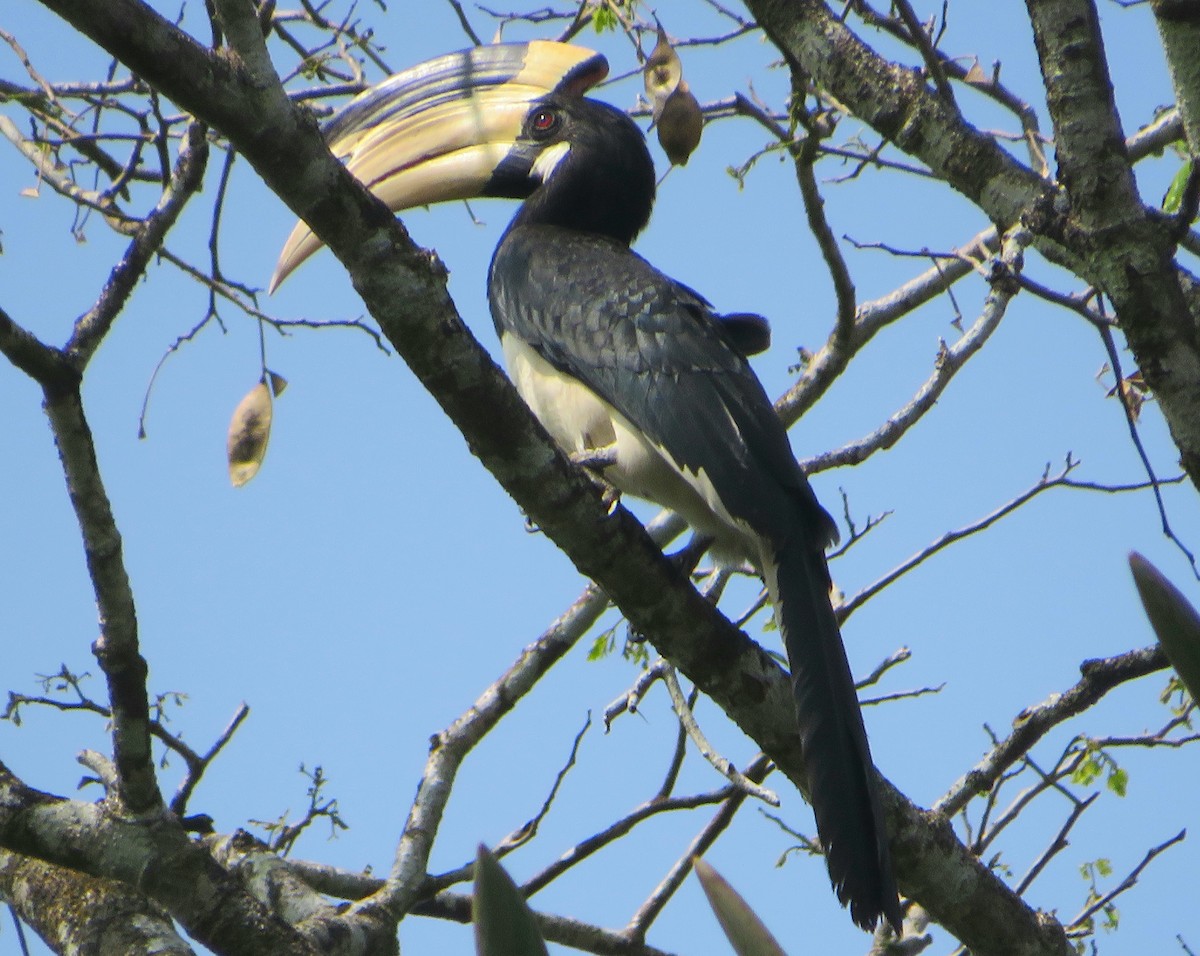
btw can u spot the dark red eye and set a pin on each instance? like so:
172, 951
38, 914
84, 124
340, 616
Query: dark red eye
544, 121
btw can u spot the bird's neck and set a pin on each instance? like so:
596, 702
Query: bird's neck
611, 199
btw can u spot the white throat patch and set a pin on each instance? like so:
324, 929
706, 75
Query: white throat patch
548, 160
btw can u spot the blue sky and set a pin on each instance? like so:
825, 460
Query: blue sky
373, 579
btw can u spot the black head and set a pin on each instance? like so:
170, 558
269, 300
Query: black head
579, 164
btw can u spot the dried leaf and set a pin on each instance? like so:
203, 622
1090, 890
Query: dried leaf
976, 74
680, 123
278, 383
746, 932
30, 192
663, 72
249, 432
1134, 391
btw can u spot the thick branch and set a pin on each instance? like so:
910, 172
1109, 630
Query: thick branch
896, 101
1123, 251
155, 856
117, 646
76, 913
43, 363
1179, 27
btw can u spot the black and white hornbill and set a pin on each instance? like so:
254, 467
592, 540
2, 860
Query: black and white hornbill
612, 355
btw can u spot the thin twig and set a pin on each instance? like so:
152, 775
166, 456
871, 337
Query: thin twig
1057, 845
1131, 421
1099, 677
640, 923
1128, 883
405, 884
722, 765
1045, 483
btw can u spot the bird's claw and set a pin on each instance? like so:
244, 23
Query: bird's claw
593, 461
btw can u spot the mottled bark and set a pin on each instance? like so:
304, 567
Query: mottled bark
154, 857
80, 915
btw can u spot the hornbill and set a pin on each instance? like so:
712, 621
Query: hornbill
614, 357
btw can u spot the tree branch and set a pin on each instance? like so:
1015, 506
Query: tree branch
155, 856
43, 363
1179, 28
1099, 677
76, 913
1003, 279
407, 883
1122, 249
186, 180
116, 648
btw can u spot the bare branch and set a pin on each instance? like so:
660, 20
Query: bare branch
1131, 422
528, 830
1058, 844
186, 180
615, 831
43, 363
406, 884
1126, 884
949, 360
102, 915
1045, 483
649, 910
117, 646
554, 929
1099, 677
200, 763
687, 720
922, 41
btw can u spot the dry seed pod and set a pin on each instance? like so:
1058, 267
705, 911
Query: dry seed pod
249, 432
663, 72
680, 123
676, 110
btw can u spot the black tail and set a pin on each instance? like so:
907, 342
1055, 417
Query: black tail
841, 775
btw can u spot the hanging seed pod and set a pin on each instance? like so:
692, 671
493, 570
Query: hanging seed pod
249, 433
677, 115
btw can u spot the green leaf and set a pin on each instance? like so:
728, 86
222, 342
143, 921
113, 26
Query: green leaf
504, 923
1175, 621
745, 930
1174, 195
604, 19
1118, 781
1087, 771
601, 647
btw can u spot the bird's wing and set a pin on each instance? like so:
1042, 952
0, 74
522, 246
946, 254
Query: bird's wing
654, 350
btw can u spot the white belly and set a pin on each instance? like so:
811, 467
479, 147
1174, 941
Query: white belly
579, 420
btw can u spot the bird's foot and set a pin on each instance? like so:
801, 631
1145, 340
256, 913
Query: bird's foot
593, 461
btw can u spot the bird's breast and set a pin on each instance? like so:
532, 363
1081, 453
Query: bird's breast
576, 417
579, 420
